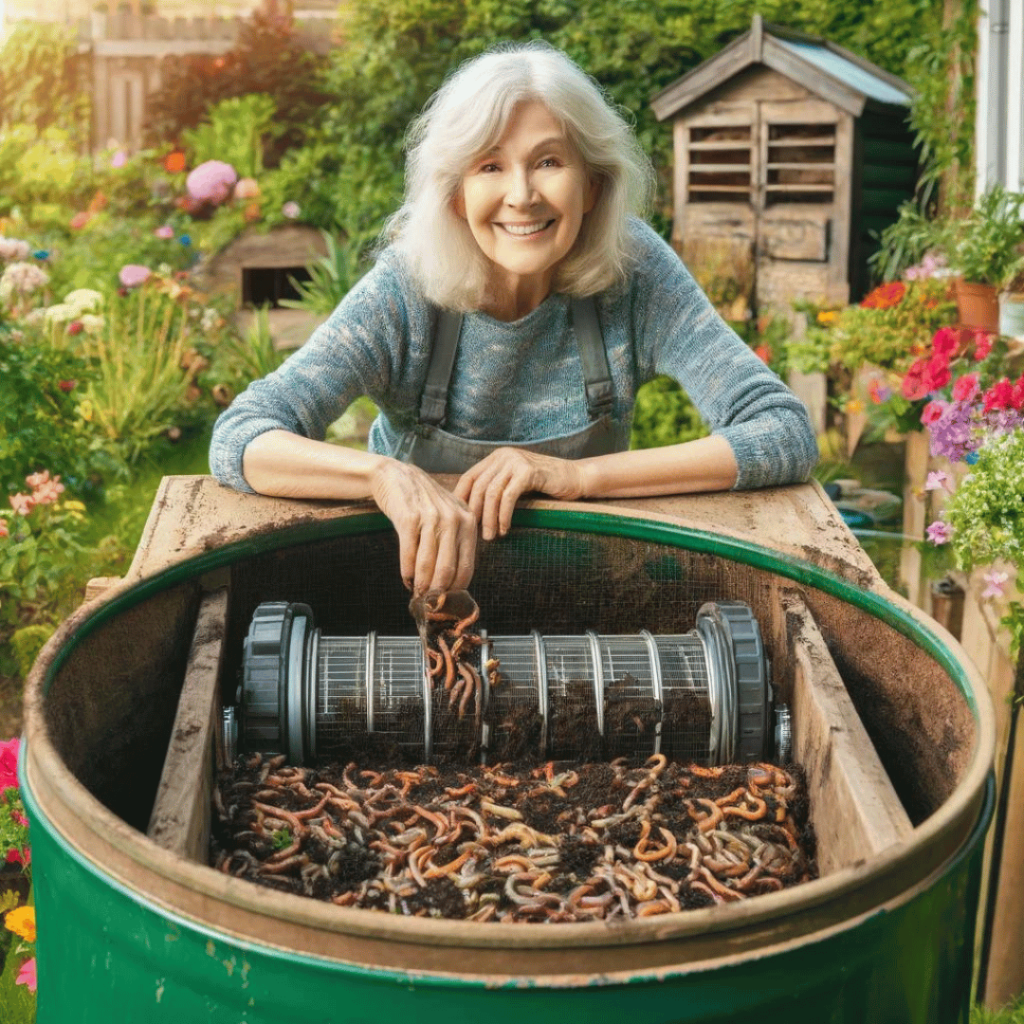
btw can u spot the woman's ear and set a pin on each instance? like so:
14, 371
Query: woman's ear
593, 192
459, 203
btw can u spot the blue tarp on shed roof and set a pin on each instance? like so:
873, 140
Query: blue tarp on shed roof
854, 75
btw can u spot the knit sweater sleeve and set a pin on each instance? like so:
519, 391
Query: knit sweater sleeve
353, 353
680, 334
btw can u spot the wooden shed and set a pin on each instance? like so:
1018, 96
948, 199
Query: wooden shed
791, 155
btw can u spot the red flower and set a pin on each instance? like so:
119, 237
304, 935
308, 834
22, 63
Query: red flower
1017, 396
885, 296
174, 162
937, 373
763, 352
945, 342
76, 327
67, 385
999, 396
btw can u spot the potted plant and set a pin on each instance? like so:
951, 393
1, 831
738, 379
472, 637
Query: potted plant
986, 252
1011, 304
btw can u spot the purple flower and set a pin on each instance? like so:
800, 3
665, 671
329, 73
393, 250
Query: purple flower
939, 532
952, 434
211, 182
133, 274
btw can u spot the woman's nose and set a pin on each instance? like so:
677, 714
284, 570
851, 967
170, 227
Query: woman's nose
520, 189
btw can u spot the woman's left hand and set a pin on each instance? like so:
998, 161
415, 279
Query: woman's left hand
492, 487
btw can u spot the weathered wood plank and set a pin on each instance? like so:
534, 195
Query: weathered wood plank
854, 808
180, 821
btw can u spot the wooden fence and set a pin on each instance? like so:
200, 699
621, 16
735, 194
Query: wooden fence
126, 54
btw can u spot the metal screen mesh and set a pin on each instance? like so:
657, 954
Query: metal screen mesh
561, 585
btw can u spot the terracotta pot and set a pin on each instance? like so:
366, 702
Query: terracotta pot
977, 305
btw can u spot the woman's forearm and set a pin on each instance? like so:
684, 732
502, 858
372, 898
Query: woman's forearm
287, 465
706, 464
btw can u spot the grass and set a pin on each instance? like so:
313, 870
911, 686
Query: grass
1011, 1014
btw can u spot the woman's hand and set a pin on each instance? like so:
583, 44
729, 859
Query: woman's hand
437, 533
492, 487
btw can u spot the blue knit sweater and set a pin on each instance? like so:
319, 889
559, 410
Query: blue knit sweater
522, 381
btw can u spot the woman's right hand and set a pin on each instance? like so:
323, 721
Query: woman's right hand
437, 534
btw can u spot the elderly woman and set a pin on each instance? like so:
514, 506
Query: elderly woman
504, 330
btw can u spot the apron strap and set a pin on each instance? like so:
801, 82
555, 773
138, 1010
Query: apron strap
434, 401
593, 359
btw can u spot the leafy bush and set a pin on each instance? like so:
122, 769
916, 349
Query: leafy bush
39, 427
42, 80
235, 130
268, 59
664, 415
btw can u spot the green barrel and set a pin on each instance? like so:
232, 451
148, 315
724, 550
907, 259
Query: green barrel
128, 930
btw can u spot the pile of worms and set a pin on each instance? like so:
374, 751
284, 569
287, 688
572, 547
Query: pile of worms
449, 643
551, 842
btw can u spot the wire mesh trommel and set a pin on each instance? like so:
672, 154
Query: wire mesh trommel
702, 696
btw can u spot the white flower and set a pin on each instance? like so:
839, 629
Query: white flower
13, 249
92, 323
61, 313
23, 278
211, 318
83, 299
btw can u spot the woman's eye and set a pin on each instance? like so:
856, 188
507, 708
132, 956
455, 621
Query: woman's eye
489, 168
549, 161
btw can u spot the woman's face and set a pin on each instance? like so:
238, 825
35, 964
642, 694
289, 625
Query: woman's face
525, 199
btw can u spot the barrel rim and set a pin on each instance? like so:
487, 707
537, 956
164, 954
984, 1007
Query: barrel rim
930, 845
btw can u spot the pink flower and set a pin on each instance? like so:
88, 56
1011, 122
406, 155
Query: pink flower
995, 581
939, 532
80, 219
76, 327
164, 231
912, 386
119, 159
211, 181
4, 532
936, 480
27, 975
965, 388
982, 345
133, 274
932, 412
9, 764
22, 503
47, 493
291, 209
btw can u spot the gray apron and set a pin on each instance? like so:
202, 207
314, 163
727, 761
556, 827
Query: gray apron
433, 449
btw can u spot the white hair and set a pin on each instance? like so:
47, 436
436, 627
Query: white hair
466, 117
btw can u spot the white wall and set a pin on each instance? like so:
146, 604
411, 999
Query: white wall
999, 134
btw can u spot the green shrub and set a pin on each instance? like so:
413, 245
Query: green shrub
664, 415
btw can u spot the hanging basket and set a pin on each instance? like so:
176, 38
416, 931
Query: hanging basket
1011, 314
977, 305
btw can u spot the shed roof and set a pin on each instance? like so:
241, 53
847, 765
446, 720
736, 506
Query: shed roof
835, 74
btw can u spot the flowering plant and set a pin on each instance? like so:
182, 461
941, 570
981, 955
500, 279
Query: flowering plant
14, 845
975, 421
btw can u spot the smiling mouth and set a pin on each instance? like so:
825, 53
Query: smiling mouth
526, 230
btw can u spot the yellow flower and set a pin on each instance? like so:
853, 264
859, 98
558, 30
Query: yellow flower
73, 506
22, 921
854, 405
828, 316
